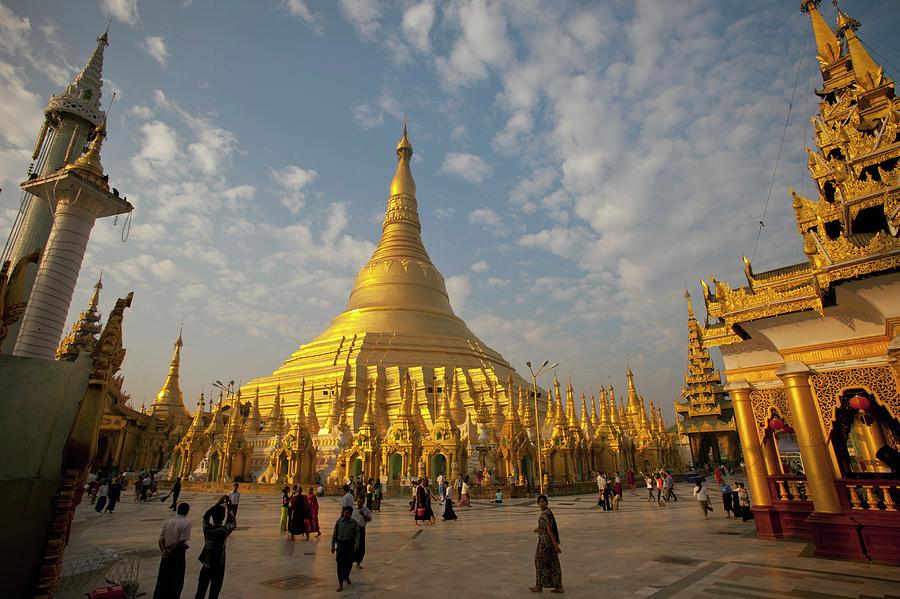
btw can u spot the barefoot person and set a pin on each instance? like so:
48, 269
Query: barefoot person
548, 572
344, 543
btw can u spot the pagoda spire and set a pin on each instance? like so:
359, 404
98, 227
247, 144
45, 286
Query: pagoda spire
594, 419
528, 418
275, 420
828, 46
197, 422
169, 402
312, 421
83, 336
867, 72
634, 408
571, 414
88, 83
254, 418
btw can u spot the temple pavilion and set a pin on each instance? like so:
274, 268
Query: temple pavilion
811, 349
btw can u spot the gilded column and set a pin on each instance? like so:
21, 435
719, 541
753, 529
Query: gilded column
770, 453
808, 430
753, 454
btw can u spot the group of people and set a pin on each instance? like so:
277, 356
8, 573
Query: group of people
299, 512
219, 522
735, 499
420, 504
663, 484
609, 491
106, 493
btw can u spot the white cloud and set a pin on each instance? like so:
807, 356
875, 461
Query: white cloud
292, 180
159, 150
364, 15
298, 8
482, 42
366, 116
459, 289
417, 22
14, 32
155, 47
479, 267
123, 10
444, 213
370, 115
468, 166
498, 282
489, 220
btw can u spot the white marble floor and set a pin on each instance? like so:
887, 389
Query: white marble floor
643, 550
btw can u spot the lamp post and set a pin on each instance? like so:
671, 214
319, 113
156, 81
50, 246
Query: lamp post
537, 418
228, 389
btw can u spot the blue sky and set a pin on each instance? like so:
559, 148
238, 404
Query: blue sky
577, 164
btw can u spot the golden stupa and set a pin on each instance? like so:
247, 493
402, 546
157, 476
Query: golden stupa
398, 320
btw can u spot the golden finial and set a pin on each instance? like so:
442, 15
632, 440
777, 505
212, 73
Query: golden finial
88, 164
867, 72
403, 182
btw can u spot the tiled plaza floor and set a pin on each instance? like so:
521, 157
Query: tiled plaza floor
643, 550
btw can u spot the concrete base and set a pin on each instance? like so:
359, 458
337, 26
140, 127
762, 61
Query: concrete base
793, 515
768, 524
836, 535
880, 532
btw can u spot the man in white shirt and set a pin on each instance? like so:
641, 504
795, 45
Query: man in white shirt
173, 540
362, 516
602, 495
234, 498
701, 494
347, 500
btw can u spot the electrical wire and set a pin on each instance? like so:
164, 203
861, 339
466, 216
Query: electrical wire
781, 144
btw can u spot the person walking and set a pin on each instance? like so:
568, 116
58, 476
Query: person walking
312, 514
344, 543
629, 477
115, 493
448, 514
348, 499
670, 487
234, 498
601, 490
173, 545
649, 481
718, 474
701, 494
174, 493
370, 493
298, 515
548, 571
138, 485
145, 486
659, 488
616, 493
215, 535
727, 504
362, 515
102, 496
421, 504
464, 493
744, 502
378, 495
285, 508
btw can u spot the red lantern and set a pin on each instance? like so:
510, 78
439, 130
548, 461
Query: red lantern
776, 424
860, 402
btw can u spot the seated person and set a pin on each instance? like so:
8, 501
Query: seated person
498, 497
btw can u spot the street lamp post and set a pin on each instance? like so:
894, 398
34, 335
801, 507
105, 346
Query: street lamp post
537, 418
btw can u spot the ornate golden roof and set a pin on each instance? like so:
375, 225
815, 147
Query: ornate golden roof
850, 229
169, 402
